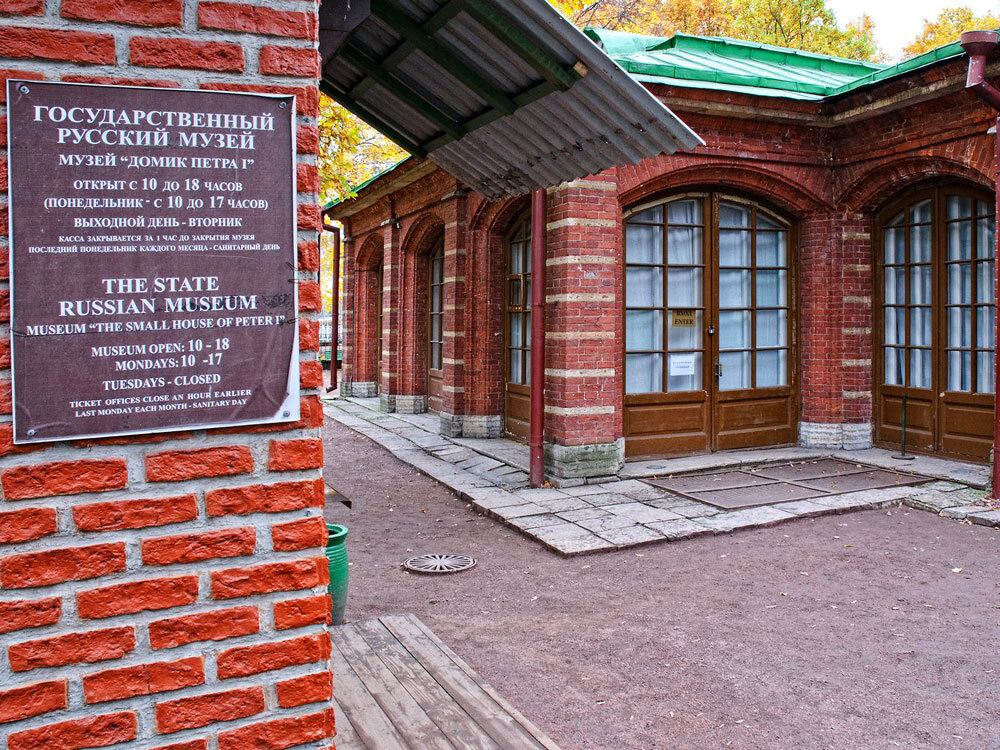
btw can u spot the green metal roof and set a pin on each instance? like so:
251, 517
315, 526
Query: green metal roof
749, 67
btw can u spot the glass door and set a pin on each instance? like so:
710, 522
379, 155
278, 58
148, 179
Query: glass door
435, 327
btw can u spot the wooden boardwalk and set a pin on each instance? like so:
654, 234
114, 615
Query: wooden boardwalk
398, 687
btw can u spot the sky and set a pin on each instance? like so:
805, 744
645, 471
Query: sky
898, 22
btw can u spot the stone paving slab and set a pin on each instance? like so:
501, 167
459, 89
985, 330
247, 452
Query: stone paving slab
616, 513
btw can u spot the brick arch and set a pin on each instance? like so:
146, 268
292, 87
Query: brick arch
370, 253
421, 237
786, 194
880, 184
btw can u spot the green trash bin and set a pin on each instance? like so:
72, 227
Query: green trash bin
336, 556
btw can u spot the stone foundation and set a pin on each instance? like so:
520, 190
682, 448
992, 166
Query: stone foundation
482, 426
411, 404
582, 461
833, 435
359, 389
387, 403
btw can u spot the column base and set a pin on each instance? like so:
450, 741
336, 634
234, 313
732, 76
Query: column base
359, 389
482, 426
835, 435
411, 404
582, 461
386, 402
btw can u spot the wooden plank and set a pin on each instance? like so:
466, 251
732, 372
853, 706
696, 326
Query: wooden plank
457, 725
534, 731
413, 724
346, 736
467, 690
373, 727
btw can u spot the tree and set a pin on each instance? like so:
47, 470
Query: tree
948, 27
799, 24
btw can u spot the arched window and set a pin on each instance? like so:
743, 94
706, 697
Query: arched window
936, 249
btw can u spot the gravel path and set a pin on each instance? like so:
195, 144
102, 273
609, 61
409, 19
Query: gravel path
878, 629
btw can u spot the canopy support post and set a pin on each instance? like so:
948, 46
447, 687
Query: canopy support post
538, 243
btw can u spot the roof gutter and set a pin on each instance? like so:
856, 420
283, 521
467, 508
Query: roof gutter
979, 45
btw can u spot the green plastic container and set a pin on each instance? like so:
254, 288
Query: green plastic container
336, 556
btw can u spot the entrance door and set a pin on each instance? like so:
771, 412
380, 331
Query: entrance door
935, 322
379, 276
709, 327
435, 327
517, 332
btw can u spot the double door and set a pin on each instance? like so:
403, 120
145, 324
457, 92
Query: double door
709, 327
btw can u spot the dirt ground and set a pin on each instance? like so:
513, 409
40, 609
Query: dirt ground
867, 630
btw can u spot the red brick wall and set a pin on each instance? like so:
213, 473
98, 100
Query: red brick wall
169, 591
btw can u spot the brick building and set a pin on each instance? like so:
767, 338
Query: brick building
168, 590
824, 259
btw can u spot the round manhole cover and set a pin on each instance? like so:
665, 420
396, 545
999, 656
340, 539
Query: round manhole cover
439, 564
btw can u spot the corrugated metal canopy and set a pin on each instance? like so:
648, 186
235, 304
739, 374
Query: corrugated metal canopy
506, 95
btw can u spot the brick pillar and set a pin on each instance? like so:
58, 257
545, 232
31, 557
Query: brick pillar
392, 287
584, 367
169, 590
454, 420
835, 275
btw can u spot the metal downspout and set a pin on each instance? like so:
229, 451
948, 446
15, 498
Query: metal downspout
978, 45
538, 242
335, 283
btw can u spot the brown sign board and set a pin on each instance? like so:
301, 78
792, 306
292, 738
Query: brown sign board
683, 318
152, 259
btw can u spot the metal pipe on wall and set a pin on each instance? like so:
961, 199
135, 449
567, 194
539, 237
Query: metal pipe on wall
979, 45
335, 283
538, 242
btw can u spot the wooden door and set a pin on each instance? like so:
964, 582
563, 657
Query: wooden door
517, 332
708, 327
934, 321
435, 328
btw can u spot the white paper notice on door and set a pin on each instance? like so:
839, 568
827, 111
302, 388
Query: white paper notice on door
682, 364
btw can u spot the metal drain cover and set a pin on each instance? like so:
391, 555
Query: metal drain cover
439, 564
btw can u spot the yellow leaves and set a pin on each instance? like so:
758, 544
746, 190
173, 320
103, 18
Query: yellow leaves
947, 28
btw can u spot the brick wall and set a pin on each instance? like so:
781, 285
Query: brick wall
169, 591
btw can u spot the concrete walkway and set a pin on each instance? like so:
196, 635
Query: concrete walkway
624, 511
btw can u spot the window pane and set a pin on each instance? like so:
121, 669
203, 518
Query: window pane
684, 212
514, 295
435, 356
684, 245
684, 372
527, 368
959, 206
734, 248
984, 327
772, 329
959, 371
984, 374
643, 287
771, 289
920, 368
959, 327
652, 215
643, 330
771, 368
895, 246
436, 328
527, 292
516, 372
895, 286
643, 373
959, 283
516, 255
985, 239
897, 219
735, 370
516, 328
920, 285
764, 222
921, 212
960, 240
920, 244
734, 288
436, 305
734, 329
920, 326
893, 366
895, 325
685, 337
684, 287
527, 330
984, 282
771, 248
643, 244
733, 215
